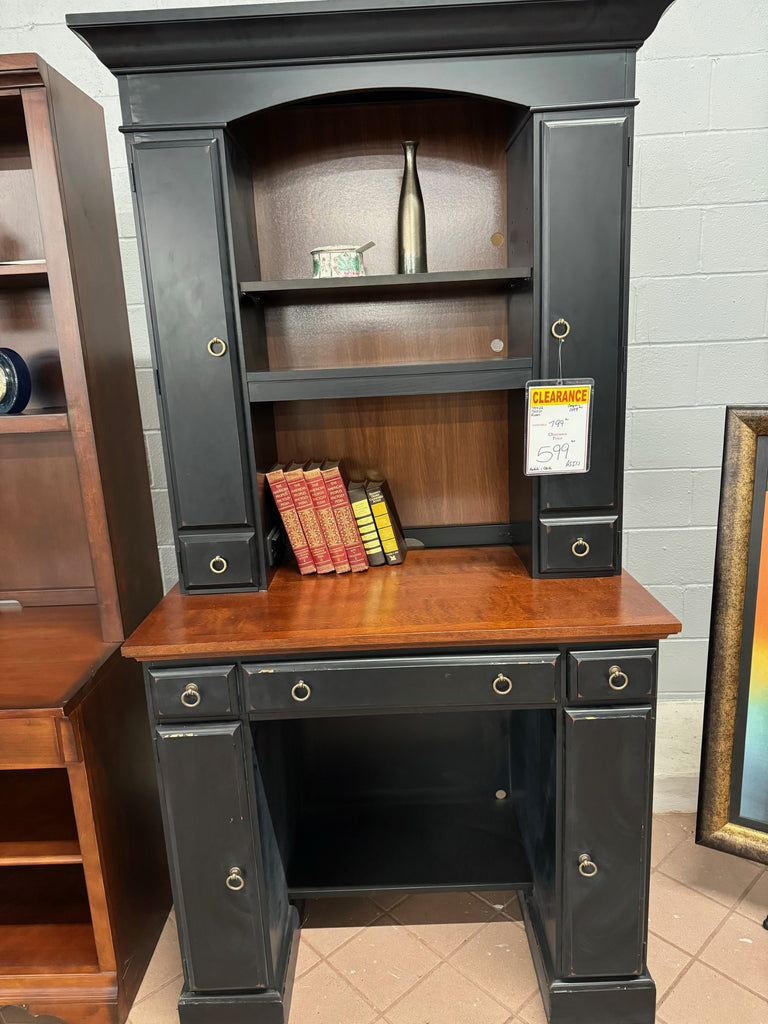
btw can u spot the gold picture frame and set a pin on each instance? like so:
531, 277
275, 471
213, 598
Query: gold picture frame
732, 636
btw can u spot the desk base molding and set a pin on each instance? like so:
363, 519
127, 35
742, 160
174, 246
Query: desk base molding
631, 1000
270, 1007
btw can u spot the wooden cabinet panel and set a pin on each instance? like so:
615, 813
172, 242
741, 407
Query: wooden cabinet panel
607, 790
210, 833
29, 741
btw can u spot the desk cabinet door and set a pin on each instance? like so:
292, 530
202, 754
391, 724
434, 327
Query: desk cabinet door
210, 833
189, 295
584, 207
607, 790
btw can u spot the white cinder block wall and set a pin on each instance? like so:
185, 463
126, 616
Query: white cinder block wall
698, 315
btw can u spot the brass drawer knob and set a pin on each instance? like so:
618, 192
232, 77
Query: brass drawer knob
191, 696
587, 866
217, 347
235, 880
218, 564
300, 691
617, 680
560, 329
580, 548
502, 685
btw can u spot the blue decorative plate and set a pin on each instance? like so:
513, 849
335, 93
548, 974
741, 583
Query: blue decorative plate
15, 382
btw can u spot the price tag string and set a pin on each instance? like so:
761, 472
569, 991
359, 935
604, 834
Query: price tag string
560, 330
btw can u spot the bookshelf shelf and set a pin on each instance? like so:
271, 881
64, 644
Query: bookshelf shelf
385, 285
379, 381
23, 272
44, 421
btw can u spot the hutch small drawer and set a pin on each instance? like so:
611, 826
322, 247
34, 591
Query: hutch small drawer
577, 544
207, 692
380, 685
220, 559
623, 676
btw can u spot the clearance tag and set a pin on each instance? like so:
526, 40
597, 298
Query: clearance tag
558, 426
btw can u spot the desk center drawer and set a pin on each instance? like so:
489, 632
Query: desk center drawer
368, 685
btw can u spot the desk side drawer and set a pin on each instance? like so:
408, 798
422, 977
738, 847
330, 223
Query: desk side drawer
369, 685
624, 676
209, 692
29, 742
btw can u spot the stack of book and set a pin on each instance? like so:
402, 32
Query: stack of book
334, 524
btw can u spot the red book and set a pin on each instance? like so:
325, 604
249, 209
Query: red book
302, 499
335, 484
327, 519
282, 495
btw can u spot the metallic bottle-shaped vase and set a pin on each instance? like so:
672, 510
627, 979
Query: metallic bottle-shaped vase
411, 226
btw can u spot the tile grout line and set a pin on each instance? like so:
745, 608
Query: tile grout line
717, 970
696, 959
355, 990
674, 849
704, 895
676, 982
483, 989
154, 992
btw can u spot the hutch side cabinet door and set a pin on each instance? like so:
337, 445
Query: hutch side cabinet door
213, 856
608, 765
185, 251
583, 216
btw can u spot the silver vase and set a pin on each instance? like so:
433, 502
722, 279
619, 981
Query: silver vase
411, 225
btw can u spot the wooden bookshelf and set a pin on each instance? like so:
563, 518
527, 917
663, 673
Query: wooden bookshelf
81, 898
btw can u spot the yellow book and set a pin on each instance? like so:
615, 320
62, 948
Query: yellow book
387, 521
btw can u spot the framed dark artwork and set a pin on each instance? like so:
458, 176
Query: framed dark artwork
733, 790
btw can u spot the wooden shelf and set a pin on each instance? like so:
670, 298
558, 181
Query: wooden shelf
23, 272
338, 289
43, 421
354, 849
45, 921
43, 949
69, 652
58, 851
374, 381
38, 822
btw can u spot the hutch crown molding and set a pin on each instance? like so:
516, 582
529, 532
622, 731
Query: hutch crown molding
509, 648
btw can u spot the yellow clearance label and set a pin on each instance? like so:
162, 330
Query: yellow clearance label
575, 395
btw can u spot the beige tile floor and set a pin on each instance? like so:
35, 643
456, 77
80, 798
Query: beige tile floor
463, 958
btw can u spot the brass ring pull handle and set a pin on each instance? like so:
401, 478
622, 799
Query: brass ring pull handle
235, 880
217, 347
583, 547
502, 685
300, 691
191, 696
218, 564
587, 866
614, 675
565, 329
